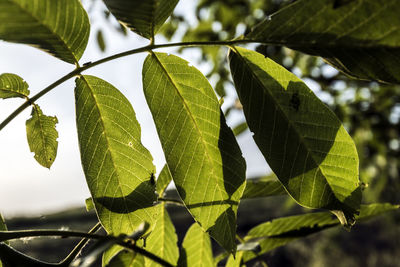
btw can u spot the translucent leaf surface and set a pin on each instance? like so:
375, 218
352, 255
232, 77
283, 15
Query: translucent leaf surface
263, 187
196, 249
201, 151
302, 140
142, 17
118, 168
127, 258
42, 136
281, 231
12, 85
164, 179
60, 27
163, 240
360, 37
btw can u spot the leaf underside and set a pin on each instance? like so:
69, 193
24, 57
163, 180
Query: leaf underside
117, 166
302, 140
42, 136
12, 85
60, 27
361, 38
142, 17
201, 151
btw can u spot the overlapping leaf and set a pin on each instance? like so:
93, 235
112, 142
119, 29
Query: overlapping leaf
201, 152
60, 27
143, 17
118, 168
12, 85
42, 136
302, 140
163, 240
359, 37
164, 179
127, 258
263, 187
196, 249
281, 231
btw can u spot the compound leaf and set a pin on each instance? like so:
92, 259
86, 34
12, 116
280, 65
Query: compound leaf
42, 136
60, 27
118, 168
302, 140
12, 85
359, 37
200, 149
163, 240
196, 249
143, 17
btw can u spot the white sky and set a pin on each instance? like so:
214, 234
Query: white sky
28, 188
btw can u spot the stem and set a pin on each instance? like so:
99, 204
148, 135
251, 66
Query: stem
171, 200
78, 70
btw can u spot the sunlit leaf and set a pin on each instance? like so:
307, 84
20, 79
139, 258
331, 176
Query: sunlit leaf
359, 37
164, 179
283, 230
127, 258
302, 140
12, 85
143, 17
263, 187
163, 240
118, 168
60, 27
42, 136
201, 151
196, 249
235, 261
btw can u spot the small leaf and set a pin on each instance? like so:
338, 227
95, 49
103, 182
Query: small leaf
117, 166
196, 249
263, 187
100, 41
302, 140
200, 149
42, 136
12, 85
240, 128
164, 179
281, 231
89, 204
60, 27
143, 17
163, 240
359, 37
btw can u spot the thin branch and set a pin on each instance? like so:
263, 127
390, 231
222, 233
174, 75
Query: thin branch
171, 200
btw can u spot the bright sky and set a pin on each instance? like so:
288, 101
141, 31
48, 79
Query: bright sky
28, 188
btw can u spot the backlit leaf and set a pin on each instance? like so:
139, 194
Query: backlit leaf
12, 85
359, 37
42, 136
163, 240
201, 151
263, 187
164, 179
196, 249
118, 168
60, 27
302, 140
283, 230
127, 258
143, 17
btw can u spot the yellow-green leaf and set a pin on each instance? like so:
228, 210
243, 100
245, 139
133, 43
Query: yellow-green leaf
164, 179
59, 27
12, 85
42, 136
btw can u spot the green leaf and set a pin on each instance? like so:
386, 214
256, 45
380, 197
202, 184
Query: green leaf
164, 179
359, 37
100, 41
12, 85
281, 231
201, 151
143, 17
240, 128
263, 187
127, 258
163, 240
302, 140
236, 261
118, 168
42, 136
60, 27
196, 249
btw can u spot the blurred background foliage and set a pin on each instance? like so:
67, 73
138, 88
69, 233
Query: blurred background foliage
369, 111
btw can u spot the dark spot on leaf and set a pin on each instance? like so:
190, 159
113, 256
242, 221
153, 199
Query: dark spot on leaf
295, 101
340, 3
